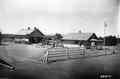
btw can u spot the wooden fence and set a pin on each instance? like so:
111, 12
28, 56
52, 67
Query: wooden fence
64, 53
58, 54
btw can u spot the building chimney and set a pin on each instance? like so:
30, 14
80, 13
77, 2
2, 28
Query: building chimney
28, 28
80, 31
35, 28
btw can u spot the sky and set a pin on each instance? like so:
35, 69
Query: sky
60, 16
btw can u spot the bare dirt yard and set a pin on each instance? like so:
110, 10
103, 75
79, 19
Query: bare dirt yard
102, 67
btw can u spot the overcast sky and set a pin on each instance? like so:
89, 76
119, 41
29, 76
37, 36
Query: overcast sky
60, 16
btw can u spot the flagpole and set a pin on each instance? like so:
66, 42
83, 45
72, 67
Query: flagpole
104, 38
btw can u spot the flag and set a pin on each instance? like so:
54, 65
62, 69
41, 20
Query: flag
105, 24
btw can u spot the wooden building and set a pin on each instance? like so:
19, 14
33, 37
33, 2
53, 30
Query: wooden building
29, 35
87, 40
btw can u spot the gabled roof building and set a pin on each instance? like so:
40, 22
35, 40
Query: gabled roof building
78, 36
86, 39
33, 35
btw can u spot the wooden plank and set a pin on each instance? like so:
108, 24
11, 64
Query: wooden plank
58, 58
75, 53
75, 56
52, 56
57, 53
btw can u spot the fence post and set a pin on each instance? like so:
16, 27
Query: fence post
97, 52
47, 61
68, 53
48, 55
83, 53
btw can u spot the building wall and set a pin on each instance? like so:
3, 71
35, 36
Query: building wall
86, 44
68, 42
36, 36
35, 40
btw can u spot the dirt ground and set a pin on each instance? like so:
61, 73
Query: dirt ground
84, 68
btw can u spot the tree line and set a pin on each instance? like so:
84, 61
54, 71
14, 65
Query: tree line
110, 40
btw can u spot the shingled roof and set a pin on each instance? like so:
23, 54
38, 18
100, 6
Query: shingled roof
24, 31
77, 36
29, 31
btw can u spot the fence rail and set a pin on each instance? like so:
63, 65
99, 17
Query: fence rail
69, 53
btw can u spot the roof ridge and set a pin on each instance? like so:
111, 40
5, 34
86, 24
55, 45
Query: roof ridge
78, 36
25, 31
81, 33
